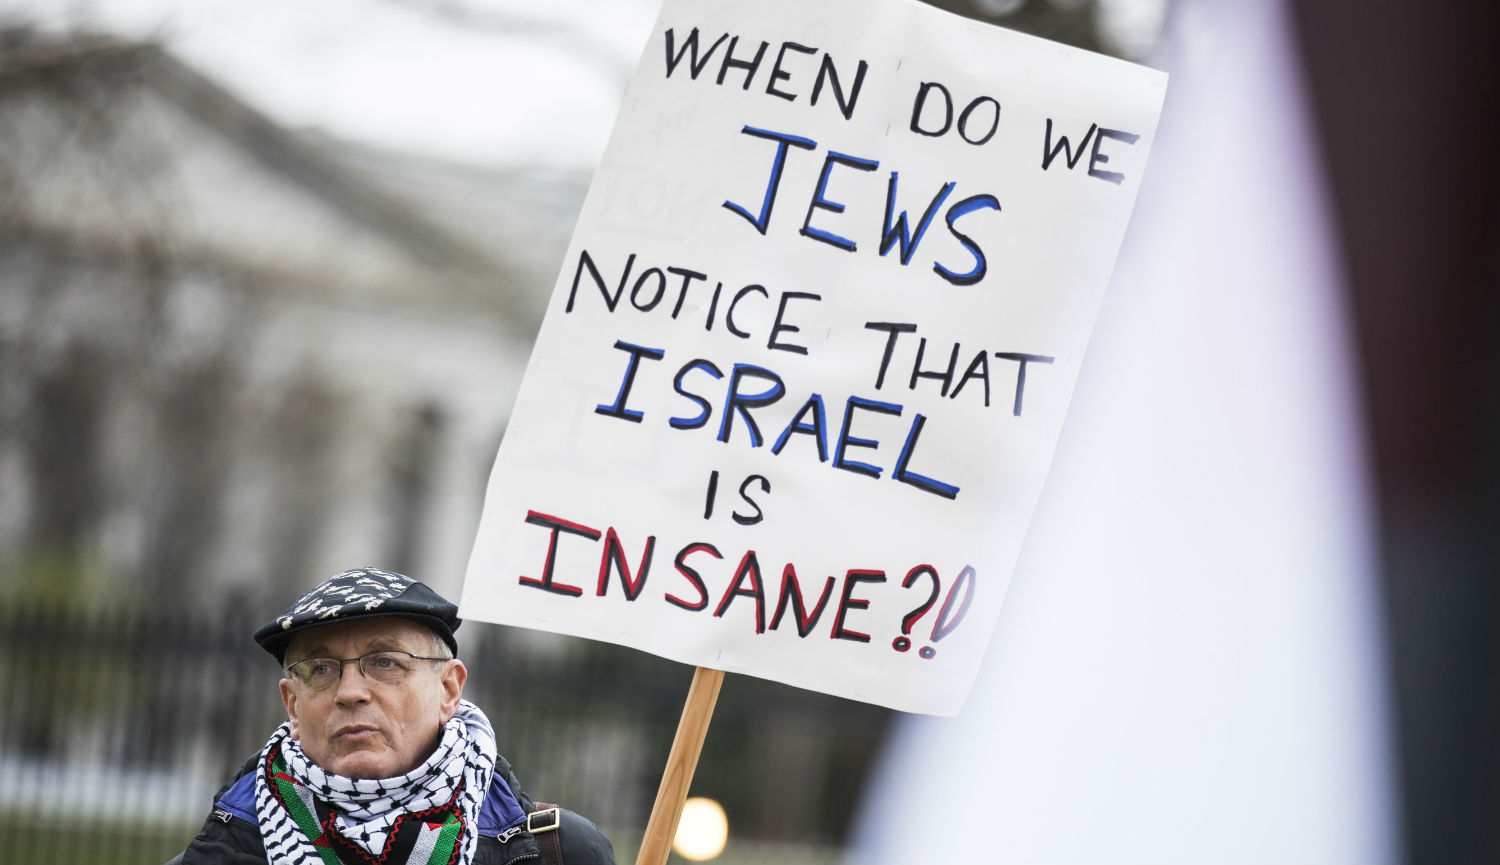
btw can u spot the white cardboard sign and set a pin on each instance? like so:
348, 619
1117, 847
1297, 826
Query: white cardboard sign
807, 359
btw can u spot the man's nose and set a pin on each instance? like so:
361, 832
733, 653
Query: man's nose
353, 687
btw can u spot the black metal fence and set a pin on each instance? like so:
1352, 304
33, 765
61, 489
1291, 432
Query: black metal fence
118, 725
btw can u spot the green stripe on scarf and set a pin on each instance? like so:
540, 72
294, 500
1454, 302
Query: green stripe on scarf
305, 819
446, 840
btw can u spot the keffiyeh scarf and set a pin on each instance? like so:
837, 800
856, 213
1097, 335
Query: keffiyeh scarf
312, 817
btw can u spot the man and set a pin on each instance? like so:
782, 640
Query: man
380, 758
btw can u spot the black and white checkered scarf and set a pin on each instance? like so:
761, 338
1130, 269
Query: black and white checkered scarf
365, 811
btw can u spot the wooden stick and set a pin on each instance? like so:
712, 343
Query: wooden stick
681, 763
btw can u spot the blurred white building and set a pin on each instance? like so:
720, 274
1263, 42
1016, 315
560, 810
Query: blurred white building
236, 356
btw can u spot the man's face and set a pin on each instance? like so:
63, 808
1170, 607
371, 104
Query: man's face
360, 728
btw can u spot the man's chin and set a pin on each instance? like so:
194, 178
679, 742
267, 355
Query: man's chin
364, 766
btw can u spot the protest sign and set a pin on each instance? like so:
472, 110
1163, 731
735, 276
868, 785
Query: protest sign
807, 358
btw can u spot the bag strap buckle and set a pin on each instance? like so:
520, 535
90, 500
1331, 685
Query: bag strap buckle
543, 820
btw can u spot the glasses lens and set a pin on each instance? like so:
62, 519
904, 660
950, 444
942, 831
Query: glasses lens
316, 672
386, 667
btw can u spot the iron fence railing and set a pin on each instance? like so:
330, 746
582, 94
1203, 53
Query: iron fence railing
118, 725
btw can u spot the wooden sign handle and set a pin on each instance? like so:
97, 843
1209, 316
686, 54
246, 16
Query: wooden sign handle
681, 763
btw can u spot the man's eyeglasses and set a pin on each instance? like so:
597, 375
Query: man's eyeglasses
387, 668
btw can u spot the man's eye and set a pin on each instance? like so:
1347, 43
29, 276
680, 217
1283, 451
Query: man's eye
318, 669
387, 662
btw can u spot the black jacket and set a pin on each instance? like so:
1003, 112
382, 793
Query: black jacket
231, 834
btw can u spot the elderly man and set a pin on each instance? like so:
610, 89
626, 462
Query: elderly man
381, 760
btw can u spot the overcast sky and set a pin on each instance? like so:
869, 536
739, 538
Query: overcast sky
489, 82
493, 82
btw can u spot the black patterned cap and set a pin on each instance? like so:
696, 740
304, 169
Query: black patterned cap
362, 593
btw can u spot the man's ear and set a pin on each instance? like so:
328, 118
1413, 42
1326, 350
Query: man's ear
289, 699
454, 675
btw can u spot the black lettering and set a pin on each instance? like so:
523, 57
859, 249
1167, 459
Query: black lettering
778, 327
734, 401
705, 410
981, 265
921, 101
778, 75
1049, 152
748, 568
816, 429
820, 200
1022, 359
848, 441
661, 288
614, 555
963, 120
1096, 158
713, 490
945, 376
690, 45
921, 482
978, 368
893, 330
617, 409
692, 576
687, 279
828, 73
739, 295
750, 520
895, 231
791, 596
610, 300
713, 307
748, 65
555, 526
774, 181
848, 602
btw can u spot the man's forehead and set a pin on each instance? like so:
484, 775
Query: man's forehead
360, 635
